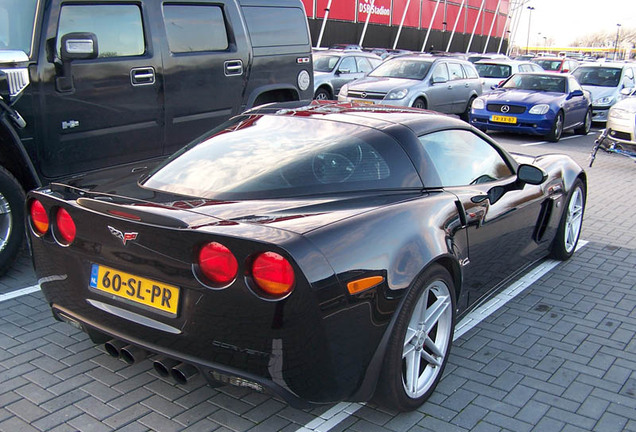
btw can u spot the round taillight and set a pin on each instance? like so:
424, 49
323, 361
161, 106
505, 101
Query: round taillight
65, 226
217, 263
39, 218
273, 274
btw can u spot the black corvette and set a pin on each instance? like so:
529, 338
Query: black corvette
321, 252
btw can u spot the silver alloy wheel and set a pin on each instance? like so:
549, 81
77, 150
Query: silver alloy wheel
321, 95
427, 338
5, 222
588, 122
574, 220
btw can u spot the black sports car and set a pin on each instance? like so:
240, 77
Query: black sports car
322, 252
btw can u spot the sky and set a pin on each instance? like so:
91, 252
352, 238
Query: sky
565, 20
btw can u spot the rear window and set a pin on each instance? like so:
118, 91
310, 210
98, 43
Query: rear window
270, 26
488, 70
275, 156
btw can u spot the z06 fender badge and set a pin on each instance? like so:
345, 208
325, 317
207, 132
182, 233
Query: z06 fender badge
124, 237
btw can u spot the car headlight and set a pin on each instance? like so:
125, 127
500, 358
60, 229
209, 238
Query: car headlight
621, 114
479, 103
539, 109
397, 94
344, 91
607, 100
303, 80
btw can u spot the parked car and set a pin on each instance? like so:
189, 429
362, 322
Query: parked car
333, 69
86, 85
443, 84
605, 81
557, 64
322, 252
537, 103
621, 120
475, 57
495, 72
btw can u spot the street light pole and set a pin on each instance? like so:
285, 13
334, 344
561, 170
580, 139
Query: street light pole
618, 27
530, 8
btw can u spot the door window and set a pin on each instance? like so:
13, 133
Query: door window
118, 28
363, 65
456, 72
440, 72
348, 65
195, 28
462, 158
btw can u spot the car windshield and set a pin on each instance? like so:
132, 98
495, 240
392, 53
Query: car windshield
545, 83
487, 70
325, 63
276, 156
17, 18
550, 65
598, 76
402, 68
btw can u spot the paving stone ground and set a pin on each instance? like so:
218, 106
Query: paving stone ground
559, 357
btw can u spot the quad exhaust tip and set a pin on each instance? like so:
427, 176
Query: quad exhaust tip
164, 366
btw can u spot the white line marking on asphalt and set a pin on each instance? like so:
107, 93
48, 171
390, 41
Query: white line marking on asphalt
341, 411
19, 293
546, 142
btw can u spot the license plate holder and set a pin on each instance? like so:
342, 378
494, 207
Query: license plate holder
503, 119
149, 293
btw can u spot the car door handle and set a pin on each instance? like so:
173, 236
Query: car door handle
142, 76
233, 67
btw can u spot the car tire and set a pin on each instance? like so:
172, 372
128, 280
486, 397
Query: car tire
557, 128
569, 230
12, 234
420, 103
587, 124
322, 94
466, 114
417, 351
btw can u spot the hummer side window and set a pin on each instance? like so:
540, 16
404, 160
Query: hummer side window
118, 28
195, 28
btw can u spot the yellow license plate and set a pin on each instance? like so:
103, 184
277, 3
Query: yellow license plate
503, 119
364, 101
148, 292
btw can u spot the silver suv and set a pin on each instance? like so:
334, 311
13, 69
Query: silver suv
335, 68
443, 84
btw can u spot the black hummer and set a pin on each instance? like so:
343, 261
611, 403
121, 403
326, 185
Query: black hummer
86, 85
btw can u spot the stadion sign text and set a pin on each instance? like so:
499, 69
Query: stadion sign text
380, 11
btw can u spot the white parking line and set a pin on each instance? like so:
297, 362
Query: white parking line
19, 293
546, 142
341, 411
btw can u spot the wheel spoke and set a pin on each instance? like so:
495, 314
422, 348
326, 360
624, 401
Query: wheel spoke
432, 360
435, 311
412, 370
410, 335
428, 342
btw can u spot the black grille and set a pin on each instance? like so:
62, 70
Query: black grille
366, 95
512, 109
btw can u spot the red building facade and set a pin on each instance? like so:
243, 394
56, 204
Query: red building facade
455, 22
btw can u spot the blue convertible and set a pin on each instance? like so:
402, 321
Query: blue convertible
535, 103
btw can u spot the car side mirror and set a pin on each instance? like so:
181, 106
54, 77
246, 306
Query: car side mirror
79, 46
438, 80
343, 71
74, 46
575, 93
531, 174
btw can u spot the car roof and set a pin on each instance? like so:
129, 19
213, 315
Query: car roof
375, 116
503, 61
341, 53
